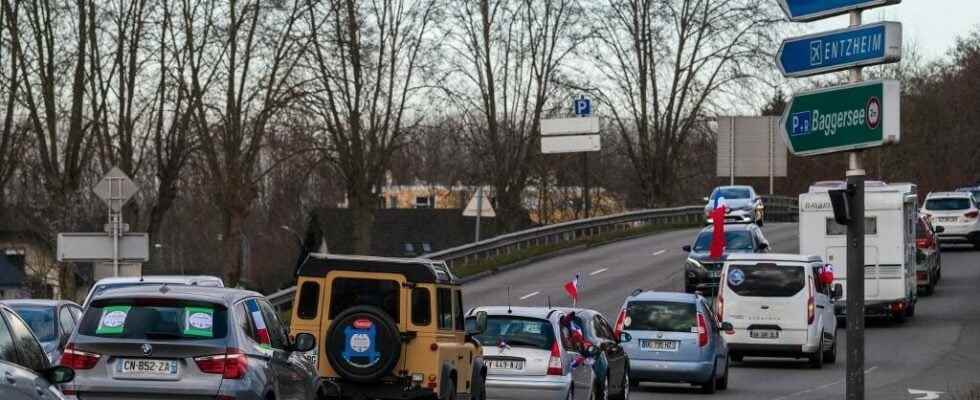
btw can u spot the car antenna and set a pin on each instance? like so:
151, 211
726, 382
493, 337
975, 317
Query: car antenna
509, 310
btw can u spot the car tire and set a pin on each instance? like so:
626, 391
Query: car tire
816, 359
736, 358
910, 311
929, 289
601, 392
830, 356
387, 344
711, 386
723, 382
624, 387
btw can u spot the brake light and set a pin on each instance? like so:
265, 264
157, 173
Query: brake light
620, 323
720, 306
77, 359
231, 365
811, 307
702, 331
923, 243
554, 363
972, 214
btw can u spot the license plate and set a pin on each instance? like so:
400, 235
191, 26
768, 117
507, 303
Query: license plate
764, 334
714, 274
660, 345
515, 365
947, 219
143, 368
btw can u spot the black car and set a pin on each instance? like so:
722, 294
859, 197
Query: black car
53, 322
701, 272
610, 364
27, 372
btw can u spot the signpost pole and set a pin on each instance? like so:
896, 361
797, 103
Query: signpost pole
479, 211
855, 263
731, 152
585, 178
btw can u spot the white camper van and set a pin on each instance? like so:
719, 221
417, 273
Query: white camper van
889, 256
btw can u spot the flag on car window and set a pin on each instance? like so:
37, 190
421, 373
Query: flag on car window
717, 248
261, 332
572, 288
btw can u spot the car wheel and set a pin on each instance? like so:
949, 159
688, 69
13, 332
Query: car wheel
816, 359
929, 289
624, 387
736, 358
910, 311
601, 392
723, 382
710, 387
830, 356
899, 317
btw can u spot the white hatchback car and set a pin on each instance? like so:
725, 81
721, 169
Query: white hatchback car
955, 216
778, 307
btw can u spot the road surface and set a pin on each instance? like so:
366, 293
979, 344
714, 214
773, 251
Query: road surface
936, 351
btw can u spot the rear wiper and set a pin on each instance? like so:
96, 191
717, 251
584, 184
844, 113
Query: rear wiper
163, 335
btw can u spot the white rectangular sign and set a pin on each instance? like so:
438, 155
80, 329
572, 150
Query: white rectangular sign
570, 144
757, 147
97, 246
569, 126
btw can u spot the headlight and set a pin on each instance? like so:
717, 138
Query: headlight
694, 264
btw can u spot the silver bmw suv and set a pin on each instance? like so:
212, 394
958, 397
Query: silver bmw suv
186, 342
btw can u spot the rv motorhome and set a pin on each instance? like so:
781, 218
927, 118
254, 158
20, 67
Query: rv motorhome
889, 256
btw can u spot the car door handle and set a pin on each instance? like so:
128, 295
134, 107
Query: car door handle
9, 377
820, 307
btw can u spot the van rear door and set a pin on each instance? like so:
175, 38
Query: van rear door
766, 296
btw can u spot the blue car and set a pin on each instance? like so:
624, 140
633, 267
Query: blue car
673, 338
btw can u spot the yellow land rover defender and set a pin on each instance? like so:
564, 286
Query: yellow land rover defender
388, 328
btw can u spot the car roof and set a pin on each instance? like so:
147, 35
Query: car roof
968, 188
730, 228
940, 195
773, 257
37, 302
528, 312
652, 295
221, 295
418, 270
160, 279
734, 187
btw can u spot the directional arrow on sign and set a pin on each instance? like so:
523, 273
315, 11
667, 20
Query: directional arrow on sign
843, 118
811, 10
841, 49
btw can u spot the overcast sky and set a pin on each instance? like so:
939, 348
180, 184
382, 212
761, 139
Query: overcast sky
932, 25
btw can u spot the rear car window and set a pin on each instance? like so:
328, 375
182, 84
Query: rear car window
734, 241
152, 319
40, 319
309, 299
350, 292
663, 316
948, 204
766, 280
516, 332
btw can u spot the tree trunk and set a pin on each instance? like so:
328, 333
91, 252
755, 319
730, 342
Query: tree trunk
362, 206
231, 244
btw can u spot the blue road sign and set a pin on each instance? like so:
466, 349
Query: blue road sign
841, 49
811, 10
583, 107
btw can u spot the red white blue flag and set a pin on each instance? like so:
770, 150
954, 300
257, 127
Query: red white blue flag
572, 288
261, 332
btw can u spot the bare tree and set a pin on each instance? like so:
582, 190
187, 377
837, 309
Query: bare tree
666, 65
366, 63
11, 128
510, 58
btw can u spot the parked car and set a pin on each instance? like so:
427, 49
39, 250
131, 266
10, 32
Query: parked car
957, 214
674, 338
529, 356
928, 257
28, 375
52, 321
611, 364
151, 280
701, 272
179, 341
777, 307
744, 205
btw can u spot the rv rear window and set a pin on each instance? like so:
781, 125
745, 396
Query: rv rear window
835, 229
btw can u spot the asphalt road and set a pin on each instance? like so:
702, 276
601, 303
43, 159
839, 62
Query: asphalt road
938, 350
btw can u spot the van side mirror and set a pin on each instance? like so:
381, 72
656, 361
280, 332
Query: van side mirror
625, 337
940, 229
58, 374
727, 328
763, 246
686, 248
838, 291
480, 326
304, 342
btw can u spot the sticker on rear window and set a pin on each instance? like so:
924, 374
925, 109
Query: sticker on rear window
533, 328
199, 322
736, 277
113, 320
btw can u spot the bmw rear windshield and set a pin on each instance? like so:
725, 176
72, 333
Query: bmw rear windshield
155, 319
734, 241
661, 316
948, 204
510, 331
766, 280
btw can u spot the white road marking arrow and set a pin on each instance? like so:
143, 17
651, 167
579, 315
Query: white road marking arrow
925, 394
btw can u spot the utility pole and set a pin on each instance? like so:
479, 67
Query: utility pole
855, 262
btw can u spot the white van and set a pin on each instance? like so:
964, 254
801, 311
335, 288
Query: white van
778, 308
889, 246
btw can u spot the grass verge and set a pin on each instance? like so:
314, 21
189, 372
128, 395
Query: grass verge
496, 263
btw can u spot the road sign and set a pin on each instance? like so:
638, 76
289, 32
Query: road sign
811, 10
115, 189
840, 49
583, 107
97, 246
479, 205
570, 126
570, 144
849, 117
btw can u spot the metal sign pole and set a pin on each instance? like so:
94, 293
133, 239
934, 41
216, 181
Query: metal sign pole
479, 211
855, 263
731, 151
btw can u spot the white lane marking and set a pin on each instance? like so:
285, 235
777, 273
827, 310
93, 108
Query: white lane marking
926, 394
598, 271
530, 295
821, 387
660, 252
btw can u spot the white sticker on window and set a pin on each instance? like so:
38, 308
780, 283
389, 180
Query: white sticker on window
736, 277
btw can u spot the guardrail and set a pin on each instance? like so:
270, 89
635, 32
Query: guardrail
778, 208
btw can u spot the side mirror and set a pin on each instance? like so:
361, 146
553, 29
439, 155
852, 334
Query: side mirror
727, 328
625, 337
763, 246
481, 324
304, 342
58, 374
838, 291
940, 229
686, 248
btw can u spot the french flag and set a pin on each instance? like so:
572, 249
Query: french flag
572, 289
261, 332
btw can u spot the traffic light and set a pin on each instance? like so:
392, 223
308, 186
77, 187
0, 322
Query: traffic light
839, 199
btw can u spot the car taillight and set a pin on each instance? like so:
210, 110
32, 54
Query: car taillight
77, 359
620, 323
231, 365
972, 214
702, 331
921, 275
720, 306
554, 363
811, 308
923, 243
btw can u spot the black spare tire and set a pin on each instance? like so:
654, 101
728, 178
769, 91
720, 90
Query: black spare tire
363, 344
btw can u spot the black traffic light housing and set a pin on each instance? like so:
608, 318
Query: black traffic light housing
840, 200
